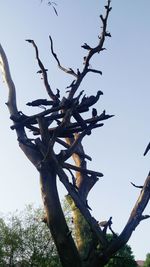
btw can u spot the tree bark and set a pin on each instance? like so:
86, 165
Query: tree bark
81, 229
55, 219
84, 237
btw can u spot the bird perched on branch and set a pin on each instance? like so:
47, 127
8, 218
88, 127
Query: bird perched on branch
91, 100
94, 112
40, 102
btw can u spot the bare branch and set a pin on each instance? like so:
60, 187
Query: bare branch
92, 51
12, 103
25, 144
137, 186
86, 46
44, 71
145, 217
79, 119
135, 218
69, 131
82, 155
69, 71
76, 142
95, 71
32, 119
27, 120
104, 33
79, 203
82, 170
147, 149
92, 120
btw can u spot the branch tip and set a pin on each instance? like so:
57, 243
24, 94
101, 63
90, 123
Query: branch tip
137, 186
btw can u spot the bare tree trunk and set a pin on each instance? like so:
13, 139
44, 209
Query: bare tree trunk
56, 221
82, 230
85, 238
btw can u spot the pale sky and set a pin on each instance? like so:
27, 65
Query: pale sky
117, 148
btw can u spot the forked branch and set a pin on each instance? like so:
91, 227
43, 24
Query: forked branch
25, 144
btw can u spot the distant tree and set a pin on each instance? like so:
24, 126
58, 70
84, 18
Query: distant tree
147, 261
2, 240
123, 258
25, 240
20, 234
38, 246
11, 240
62, 126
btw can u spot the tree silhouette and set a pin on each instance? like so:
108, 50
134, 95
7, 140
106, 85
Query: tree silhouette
62, 126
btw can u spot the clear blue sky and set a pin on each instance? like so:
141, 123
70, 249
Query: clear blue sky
117, 149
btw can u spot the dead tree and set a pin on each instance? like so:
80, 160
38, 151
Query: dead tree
62, 123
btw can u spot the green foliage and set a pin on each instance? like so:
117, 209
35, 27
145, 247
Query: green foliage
147, 261
124, 258
25, 239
